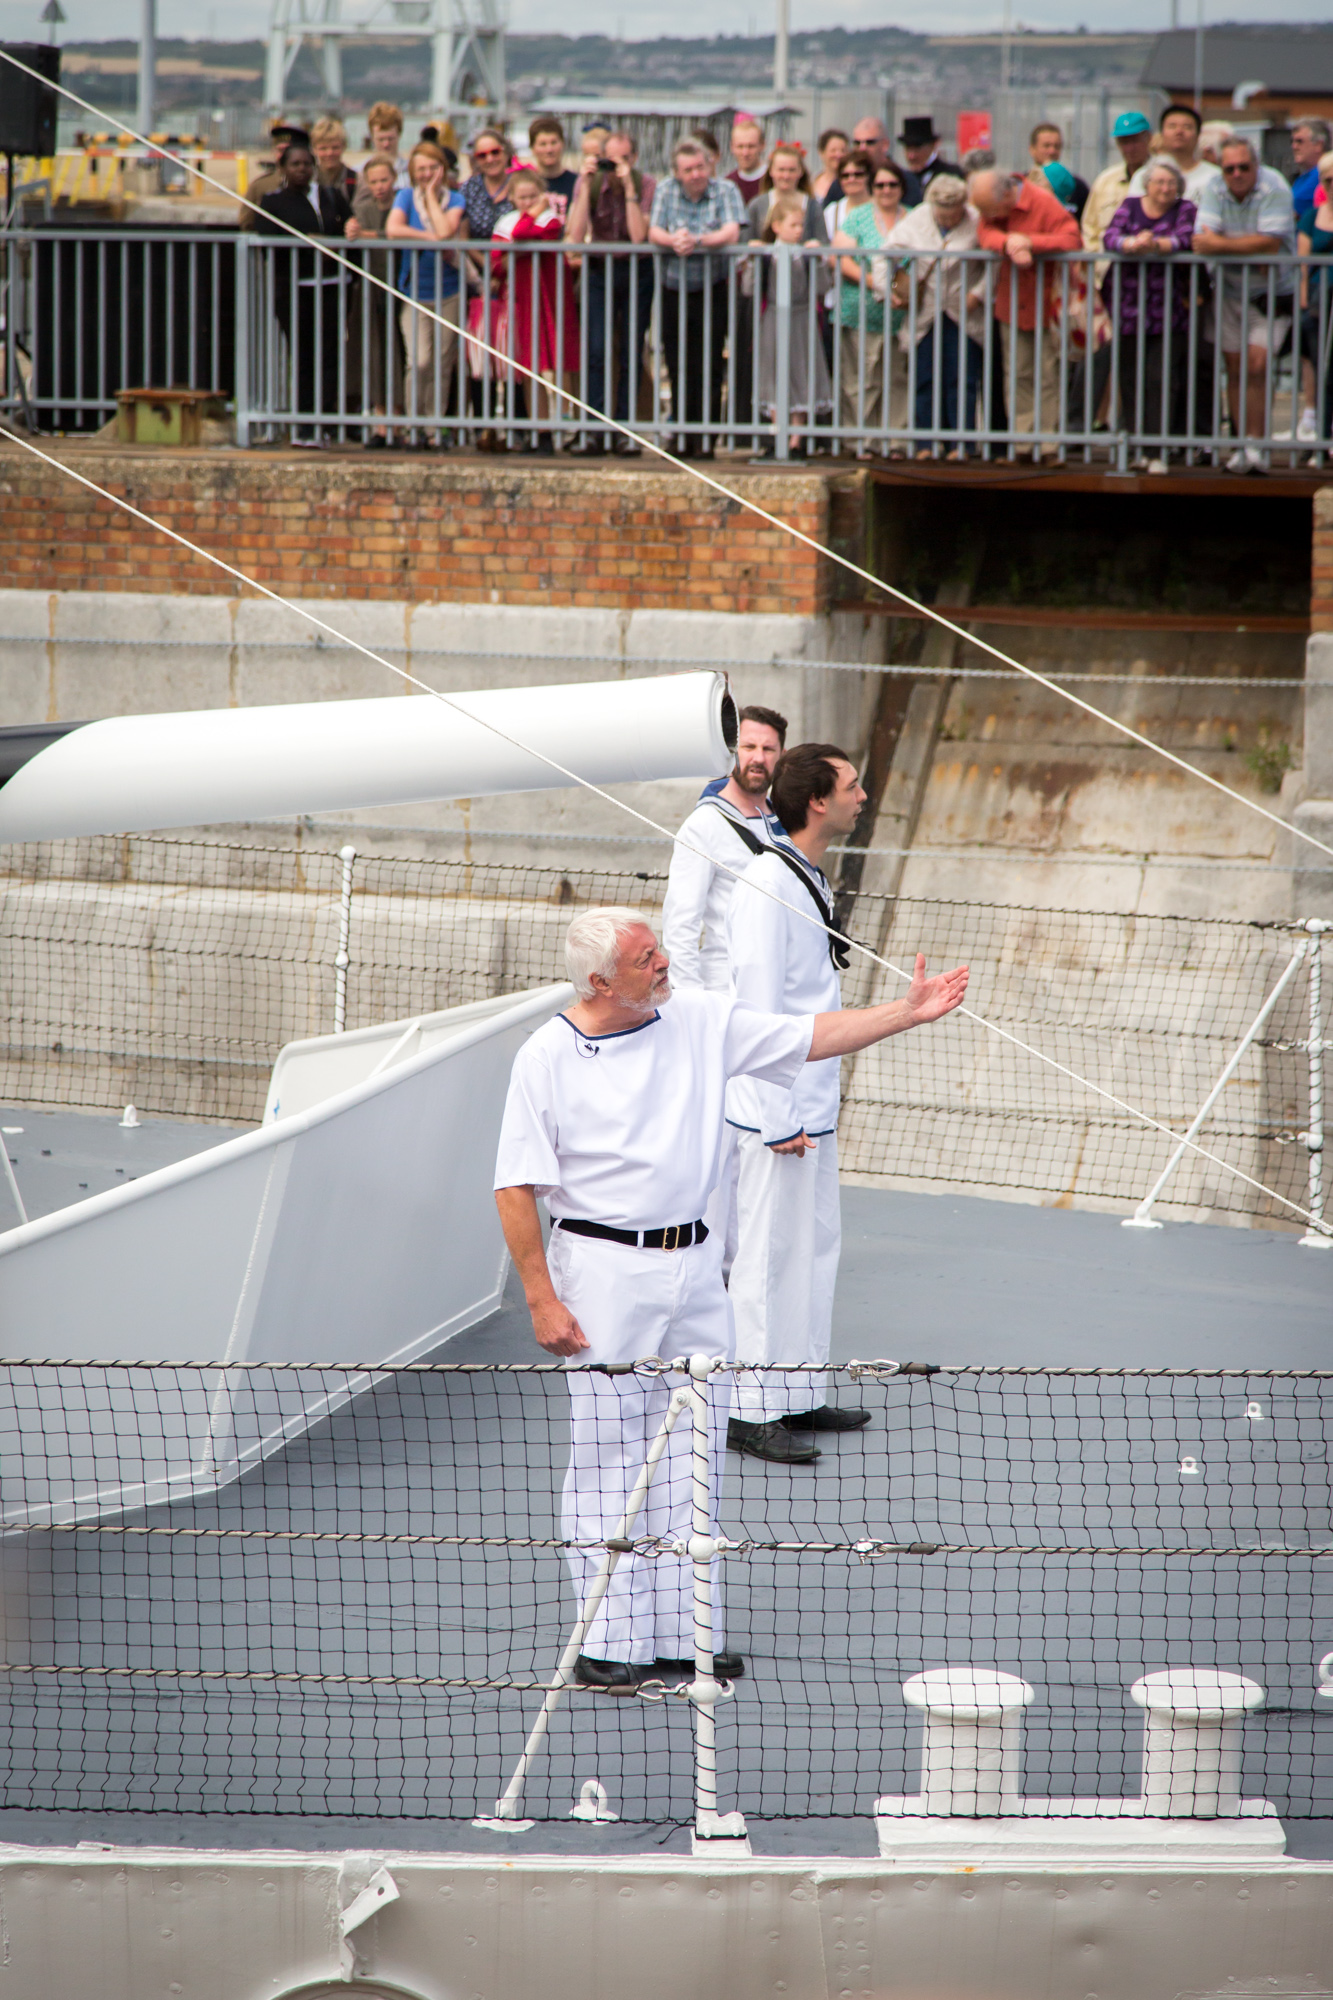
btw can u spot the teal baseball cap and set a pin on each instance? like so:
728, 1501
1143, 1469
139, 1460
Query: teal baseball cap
1129, 124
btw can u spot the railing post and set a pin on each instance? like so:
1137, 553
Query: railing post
782, 351
241, 318
714, 1832
1318, 1236
347, 856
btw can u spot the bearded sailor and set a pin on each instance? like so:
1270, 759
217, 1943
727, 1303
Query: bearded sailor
614, 1118
732, 823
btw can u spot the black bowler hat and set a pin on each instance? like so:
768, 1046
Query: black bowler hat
917, 132
296, 135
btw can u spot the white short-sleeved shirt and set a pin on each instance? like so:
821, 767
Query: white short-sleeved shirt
699, 888
626, 1129
780, 964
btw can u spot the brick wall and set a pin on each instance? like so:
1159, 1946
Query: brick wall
466, 532
1321, 574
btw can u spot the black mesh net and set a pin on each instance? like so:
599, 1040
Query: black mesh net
318, 1590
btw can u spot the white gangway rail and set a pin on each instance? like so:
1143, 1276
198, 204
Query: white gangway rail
352, 1226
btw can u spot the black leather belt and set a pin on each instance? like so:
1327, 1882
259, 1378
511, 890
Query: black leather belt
678, 1237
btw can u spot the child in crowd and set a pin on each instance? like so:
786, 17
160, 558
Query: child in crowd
543, 327
809, 390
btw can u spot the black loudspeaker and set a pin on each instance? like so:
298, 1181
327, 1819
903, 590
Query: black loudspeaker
27, 107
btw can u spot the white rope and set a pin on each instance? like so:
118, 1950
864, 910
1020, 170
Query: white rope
680, 465
299, 610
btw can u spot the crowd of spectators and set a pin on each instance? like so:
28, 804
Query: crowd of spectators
891, 259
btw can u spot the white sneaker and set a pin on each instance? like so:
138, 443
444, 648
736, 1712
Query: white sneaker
1248, 458
1307, 430
1155, 465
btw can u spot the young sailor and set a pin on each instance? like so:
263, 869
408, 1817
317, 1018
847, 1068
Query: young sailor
614, 1117
789, 1229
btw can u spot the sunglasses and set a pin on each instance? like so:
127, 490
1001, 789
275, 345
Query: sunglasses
887, 184
853, 173
490, 153
1247, 168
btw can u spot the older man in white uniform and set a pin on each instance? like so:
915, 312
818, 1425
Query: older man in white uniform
789, 1228
730, 825
614, 1117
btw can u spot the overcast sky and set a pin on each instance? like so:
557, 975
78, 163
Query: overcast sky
20, 19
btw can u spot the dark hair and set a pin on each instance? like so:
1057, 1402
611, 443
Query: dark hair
833, 132
707, 141
547, 124
804, 773
298, 146
1046, 125
770, 719
1186, 111
856, 158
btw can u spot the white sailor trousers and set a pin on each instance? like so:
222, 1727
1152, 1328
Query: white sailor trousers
632, 1304
789, 1238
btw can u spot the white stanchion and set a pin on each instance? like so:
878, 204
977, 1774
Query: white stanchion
1192, 1741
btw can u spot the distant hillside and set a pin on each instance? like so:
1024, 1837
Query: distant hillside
222, 73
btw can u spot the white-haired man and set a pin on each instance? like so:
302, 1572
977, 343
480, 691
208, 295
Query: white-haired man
614, 1117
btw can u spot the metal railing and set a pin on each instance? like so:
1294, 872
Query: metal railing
772, 351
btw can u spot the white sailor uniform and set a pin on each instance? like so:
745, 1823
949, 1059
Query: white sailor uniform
714, 845
712, 841
626, 1130
788, 1214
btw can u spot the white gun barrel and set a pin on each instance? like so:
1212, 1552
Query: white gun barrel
134, 773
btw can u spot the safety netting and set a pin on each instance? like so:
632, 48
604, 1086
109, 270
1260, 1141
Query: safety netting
329, 1590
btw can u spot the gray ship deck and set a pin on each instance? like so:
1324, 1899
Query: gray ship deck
926, 1278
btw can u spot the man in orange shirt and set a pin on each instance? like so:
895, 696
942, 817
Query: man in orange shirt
1021, 221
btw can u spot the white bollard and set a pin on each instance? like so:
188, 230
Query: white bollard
1192, 1741
971, 1753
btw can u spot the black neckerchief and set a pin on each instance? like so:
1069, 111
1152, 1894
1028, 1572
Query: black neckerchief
839, 952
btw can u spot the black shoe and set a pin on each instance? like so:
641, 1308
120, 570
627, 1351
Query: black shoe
829, 1417
628, 448
376, 443
612, 1676
769, 1441
590, 448
726, 1666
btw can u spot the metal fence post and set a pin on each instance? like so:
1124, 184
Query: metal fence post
714, 1832
781, 350
1318, 1236
347, 855
241, 331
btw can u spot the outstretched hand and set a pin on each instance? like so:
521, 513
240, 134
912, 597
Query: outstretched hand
932, 999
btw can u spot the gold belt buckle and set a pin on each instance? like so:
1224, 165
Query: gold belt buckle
674, 1233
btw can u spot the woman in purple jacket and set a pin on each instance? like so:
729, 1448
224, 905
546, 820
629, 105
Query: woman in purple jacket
1151, 307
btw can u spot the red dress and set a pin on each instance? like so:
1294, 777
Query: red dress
555, 276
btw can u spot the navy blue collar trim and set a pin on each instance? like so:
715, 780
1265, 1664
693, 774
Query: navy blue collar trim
617, 1034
